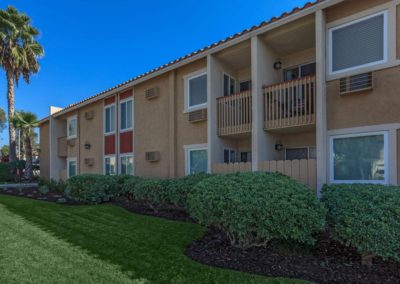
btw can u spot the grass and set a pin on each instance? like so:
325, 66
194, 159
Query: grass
49, 243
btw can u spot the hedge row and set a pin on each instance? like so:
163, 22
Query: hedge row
254, 208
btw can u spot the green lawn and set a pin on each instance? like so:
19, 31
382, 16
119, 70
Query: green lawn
42, 242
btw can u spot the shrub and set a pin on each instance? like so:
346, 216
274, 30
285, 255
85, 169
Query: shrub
5, 173
178, 189
366, 217
91, 188
53, 185
128, 187
151, 191
44, 189
254, 208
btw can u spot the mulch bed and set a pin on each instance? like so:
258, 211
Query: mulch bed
328, 262
166, 212
33, 193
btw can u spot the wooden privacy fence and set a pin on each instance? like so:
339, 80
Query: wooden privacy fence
234, 114
225, 168
290, 103
304, 171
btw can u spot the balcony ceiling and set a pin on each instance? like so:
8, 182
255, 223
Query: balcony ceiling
238, 56
291, 38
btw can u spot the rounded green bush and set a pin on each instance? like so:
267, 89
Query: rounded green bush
151, 191
5, 172
178, 189
91, 188
254, 208
366, 217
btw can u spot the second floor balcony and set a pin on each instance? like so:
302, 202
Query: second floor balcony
290, 104
234, 114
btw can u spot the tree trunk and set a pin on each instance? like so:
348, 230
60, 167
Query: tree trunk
11, 129
28, 154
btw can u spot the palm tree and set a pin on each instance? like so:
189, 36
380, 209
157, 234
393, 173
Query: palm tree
19, 54
26, 122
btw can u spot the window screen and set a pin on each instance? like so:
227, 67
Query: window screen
198, 90
359, 43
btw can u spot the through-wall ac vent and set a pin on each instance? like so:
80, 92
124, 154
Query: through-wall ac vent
198, 115
89, 162
357, 83
71, 142
151, 93
89, 115
153, 156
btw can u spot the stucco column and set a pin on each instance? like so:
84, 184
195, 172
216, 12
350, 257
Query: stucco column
172, 124
262, 73
321, 124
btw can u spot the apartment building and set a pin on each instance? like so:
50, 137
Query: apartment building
314, 94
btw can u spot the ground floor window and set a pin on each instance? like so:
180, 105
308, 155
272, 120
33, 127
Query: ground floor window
71, 167
245, 157
196, 159
229, 156
126, 164
109, 165
300, 153
359, 158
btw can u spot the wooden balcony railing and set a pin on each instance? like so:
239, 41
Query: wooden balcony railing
234, 114
290, 104
62, 146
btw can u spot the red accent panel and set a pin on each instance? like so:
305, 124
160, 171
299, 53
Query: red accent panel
126, 142
125, 95
109, 145
109, 100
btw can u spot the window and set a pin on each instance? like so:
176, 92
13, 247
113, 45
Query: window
245, 157
360, 158
229, 85
357, 44
245, 86
71, 167
72, 127
196, 91
196, 158
109, 119
229, 156
299, 71
126, 164
126, 118
109, 165
300, 153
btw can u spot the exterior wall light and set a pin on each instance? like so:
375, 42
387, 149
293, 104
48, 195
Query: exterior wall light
278, 147
278, 65
87, 146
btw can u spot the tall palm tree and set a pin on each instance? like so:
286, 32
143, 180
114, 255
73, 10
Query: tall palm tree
19, 54
26, 122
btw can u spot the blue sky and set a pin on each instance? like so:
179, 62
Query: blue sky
93, 45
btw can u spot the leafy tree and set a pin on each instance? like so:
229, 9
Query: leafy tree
26, 122
4, 151
19, 54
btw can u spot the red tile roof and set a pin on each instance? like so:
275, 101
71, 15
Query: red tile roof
228, 39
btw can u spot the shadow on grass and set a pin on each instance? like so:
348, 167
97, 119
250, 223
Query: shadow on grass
144, 247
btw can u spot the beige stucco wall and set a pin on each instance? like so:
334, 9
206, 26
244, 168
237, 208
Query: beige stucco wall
187, 133
44, 150
398, 31
350, 7
151, 128
379, 106
300, 57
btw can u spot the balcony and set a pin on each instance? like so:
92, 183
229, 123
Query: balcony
62, 146
290, 104
234, 114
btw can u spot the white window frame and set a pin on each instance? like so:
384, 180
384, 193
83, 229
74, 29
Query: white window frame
364, 134
72, 159
231, 78
104, 163
120, 114
69, 119
190, 148
187, 78
385, 43
298, 67
124, 155
105, 118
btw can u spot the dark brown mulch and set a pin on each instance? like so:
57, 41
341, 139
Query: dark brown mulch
328, 262
166, 212
33, 193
